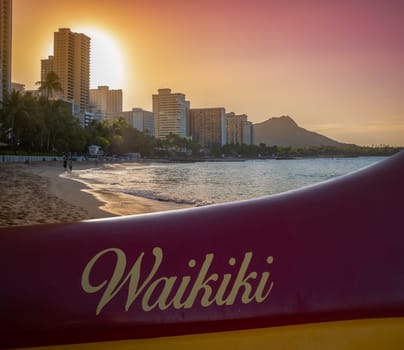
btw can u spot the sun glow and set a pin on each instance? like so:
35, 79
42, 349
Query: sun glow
107, 59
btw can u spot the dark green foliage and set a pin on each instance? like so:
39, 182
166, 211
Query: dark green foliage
263, 151
39, 125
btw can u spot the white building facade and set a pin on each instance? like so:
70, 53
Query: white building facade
170, 113
143, 120
137, 118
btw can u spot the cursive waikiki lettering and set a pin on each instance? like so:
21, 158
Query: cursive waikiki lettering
178, 292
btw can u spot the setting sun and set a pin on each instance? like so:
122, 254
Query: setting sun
107, 59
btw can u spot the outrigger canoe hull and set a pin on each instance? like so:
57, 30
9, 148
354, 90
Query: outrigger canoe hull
318, 267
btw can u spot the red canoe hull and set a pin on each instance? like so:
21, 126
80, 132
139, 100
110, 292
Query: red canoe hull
325, 253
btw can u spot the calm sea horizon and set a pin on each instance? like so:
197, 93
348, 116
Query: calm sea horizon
203, 183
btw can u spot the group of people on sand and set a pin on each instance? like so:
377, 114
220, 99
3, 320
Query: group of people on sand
67, 159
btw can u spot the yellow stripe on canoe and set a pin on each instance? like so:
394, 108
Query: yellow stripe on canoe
387, 333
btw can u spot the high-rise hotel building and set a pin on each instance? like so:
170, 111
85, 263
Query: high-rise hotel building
46, 67
106, 102
207, 126
170, 113
239, 129
5, 47
71, 62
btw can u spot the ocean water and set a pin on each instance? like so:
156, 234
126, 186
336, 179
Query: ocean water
203, 183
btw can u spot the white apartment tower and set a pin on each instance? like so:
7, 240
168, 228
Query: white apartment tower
143, 120
137, 118
170, 113
5, 47
248, 133
106, 102
71, 62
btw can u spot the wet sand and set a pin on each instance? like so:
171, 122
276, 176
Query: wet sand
42, 192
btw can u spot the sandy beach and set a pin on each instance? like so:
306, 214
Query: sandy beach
42, 192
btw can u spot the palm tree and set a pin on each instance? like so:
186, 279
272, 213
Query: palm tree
50, 85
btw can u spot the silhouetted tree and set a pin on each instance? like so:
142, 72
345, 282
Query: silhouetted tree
50, 85
13, 117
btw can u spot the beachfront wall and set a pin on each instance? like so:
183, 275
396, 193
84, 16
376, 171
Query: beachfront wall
316, 268
22, 159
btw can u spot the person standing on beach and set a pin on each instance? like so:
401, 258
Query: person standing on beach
70, 164
65, 162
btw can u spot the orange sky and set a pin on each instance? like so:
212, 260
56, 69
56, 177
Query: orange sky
334, 66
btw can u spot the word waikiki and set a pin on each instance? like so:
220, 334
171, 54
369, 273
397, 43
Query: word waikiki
178, 292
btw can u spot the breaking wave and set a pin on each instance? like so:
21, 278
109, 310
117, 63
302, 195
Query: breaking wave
164, 197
